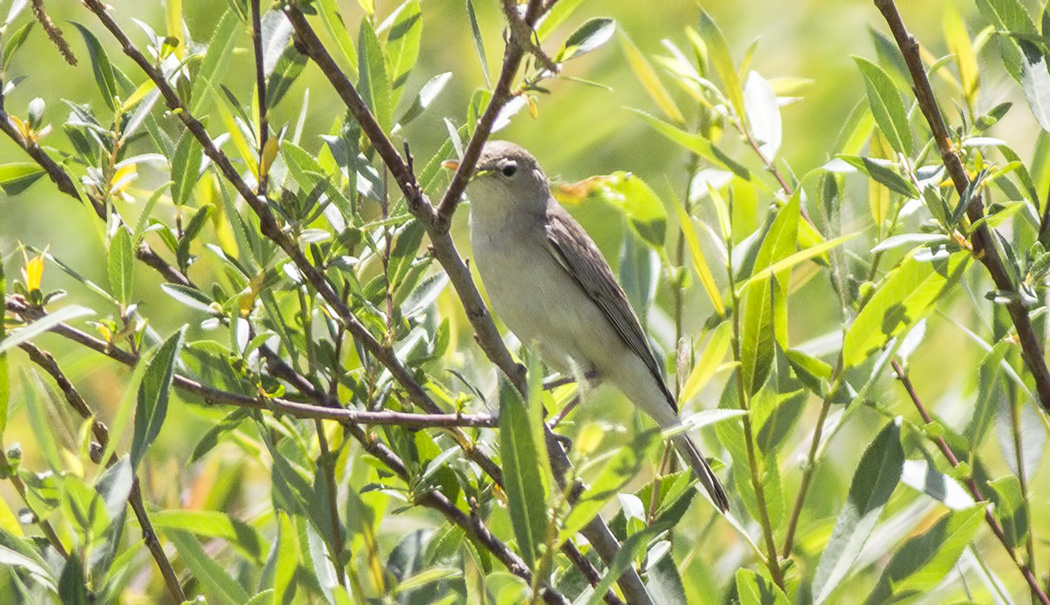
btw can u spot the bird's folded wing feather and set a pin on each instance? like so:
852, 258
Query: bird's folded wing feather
574, 250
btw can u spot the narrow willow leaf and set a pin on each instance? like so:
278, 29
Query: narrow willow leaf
755, 589
1008, 16
699, 262
697, 144
214, 524
521, 473
374, 84
904, 296
114, 486
763, 115
72, 583
710, 360
650, 81
14, 42
876, 477
218, 583
925, 560
42, 325
886, 105
765, 299
1036, 82
961, 47
799, 257
100, 65
555, 17
589, 36
337, 30
1011, 509
185, 168
152, 403
924, 477
405, 25
479, 44
18, 176
121, 266
216, 59
722, 61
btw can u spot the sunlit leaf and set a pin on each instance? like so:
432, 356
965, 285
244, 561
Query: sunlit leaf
874, 481
886, 105
152, 404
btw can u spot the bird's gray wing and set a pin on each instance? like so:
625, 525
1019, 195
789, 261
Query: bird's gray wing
577, 253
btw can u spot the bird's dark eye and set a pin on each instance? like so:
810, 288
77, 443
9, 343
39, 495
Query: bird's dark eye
509, 169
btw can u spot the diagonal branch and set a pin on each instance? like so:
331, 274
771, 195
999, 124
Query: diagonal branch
971, 485
76, 401
983, 239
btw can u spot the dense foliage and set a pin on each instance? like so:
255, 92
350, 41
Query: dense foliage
243, 355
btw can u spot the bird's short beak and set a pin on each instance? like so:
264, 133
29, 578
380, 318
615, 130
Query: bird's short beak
450, 164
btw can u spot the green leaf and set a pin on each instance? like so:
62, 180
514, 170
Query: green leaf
923, 561
101, 66
72, 584
185, 168
218, 584
765, 299
479, 44
779, 267
289, 65
882, 172
16, 177
1035, 79
121, 266
697, 144
16, 40
710, 360
214, 524
886, 106
1011, 509
1008, 16
650, 81
631, 195
402, 44
42, 325
216, 60
696, 253
722, 61
589, 36
151, 406
375, 83
874, 481
337, 30
114, 486
763, 115
813, 372
904, 296
989, 373
755, 589
522, 477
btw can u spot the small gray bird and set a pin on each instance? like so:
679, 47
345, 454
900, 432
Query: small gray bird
553, 288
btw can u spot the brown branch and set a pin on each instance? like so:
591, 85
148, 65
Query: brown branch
983, 240
213, 396
971, 485
47, 363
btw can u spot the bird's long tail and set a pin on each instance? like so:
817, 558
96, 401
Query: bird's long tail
703, 472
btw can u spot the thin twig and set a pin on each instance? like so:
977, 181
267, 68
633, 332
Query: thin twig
971, 485
47, 363
983, 241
